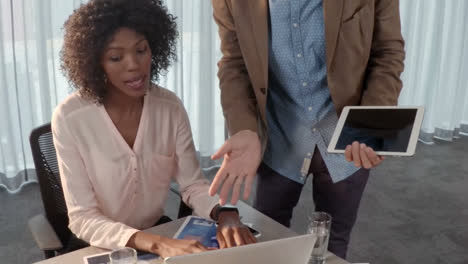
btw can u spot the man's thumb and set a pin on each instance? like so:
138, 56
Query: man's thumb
225, 148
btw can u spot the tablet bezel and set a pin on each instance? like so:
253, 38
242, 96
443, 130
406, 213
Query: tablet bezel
414, 132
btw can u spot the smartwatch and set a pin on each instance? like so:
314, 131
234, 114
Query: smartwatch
218, 209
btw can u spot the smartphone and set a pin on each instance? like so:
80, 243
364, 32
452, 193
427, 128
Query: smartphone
143, 255
254, 232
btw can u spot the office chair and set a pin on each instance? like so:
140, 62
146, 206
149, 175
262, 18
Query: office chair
51, 232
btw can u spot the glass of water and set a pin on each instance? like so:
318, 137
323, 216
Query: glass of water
320, 226
124, 255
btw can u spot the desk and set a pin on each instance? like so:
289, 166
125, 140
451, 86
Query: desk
268, 227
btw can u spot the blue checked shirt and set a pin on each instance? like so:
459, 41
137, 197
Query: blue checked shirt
300, 112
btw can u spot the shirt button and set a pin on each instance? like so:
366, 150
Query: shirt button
295, 25
310, 108
299, 55
304, 84
314, 130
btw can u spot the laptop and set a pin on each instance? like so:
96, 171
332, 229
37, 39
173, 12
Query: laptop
291, 250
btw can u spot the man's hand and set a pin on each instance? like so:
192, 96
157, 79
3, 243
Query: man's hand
362, 155
242, 156
231, 232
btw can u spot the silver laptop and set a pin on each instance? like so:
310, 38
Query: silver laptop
291, 250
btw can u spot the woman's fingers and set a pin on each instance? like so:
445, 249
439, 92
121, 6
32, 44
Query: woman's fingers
221, 241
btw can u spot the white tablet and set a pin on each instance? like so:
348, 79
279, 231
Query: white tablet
389, 130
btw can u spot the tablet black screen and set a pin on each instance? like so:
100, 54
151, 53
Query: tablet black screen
381, 129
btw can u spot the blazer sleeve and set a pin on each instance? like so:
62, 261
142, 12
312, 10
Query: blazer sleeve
85, 218
383, 83
237, 96
193, 185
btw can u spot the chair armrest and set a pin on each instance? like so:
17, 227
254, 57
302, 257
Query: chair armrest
174, 187
210, 172
44, 234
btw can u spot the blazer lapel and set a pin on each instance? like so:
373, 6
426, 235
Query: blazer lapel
259, 17
332, 12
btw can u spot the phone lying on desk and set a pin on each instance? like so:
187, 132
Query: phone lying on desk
254, 232
143, 255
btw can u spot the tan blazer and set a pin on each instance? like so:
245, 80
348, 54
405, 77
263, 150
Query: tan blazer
364, 49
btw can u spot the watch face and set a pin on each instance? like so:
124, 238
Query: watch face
223, 209
220, 209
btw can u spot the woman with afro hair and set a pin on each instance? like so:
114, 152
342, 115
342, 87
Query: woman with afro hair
121, 139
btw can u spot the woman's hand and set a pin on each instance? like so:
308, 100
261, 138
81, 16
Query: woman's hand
169, 247
164, 246
231, 232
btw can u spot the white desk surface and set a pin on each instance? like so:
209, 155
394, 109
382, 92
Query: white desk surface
268, 227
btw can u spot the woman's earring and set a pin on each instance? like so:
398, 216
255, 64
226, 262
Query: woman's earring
105, 79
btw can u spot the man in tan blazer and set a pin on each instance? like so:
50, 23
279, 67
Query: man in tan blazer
288, 69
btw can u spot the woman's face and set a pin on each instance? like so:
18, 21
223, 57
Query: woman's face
126, 61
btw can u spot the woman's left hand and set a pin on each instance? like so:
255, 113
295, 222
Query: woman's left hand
231, 232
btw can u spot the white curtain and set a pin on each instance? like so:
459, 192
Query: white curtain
193, 77
31, 83
436, 65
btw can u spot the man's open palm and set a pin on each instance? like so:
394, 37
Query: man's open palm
242, 156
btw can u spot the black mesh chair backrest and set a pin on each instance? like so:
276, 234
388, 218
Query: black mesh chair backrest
45, 161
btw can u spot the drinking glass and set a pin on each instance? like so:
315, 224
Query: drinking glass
320, 226
124, 255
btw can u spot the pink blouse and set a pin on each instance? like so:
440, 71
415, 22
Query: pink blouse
112, 190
